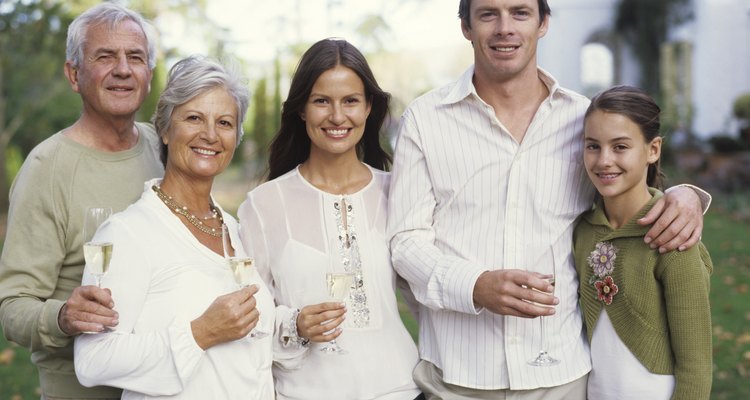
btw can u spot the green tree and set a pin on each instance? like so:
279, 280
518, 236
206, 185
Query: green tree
158, 81
276, 121
260, 133
644, 25
35, 100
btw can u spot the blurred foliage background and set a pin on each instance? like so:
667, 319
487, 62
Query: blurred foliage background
36, 101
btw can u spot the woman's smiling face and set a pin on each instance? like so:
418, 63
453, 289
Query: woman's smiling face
336, 112
203, 135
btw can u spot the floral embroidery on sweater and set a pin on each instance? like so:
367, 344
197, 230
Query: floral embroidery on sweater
602, 262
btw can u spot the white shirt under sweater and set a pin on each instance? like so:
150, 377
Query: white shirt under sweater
466, 197
161, 278
616, 374
291, 228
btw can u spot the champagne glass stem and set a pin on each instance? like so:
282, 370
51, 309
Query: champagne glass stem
543, 359
225, 241
542, 337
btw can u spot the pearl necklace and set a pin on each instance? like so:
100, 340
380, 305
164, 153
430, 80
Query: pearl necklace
183, 210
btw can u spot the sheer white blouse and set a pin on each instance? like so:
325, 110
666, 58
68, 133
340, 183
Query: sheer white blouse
161, 278
292, 229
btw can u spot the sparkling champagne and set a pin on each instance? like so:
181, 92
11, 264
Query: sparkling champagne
97, 257
339, 284
242, 268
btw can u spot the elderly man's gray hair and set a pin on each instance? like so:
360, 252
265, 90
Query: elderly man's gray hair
105, 13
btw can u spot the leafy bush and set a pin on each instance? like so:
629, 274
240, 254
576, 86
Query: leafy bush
741, 111
726, 144
741, 108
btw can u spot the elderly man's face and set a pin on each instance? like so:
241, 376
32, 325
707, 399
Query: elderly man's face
113, 78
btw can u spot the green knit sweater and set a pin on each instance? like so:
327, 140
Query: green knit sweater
661, 310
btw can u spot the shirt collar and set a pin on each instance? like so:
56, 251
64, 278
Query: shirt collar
464, 87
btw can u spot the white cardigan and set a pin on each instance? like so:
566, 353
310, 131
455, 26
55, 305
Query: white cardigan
291, 227
161, 278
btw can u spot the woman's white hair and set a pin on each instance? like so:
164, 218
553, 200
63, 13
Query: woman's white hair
193, 76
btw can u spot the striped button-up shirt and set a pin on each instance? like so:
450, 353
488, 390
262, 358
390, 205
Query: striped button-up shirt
465, 198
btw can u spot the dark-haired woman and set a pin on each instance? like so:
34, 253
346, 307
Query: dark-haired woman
323, 210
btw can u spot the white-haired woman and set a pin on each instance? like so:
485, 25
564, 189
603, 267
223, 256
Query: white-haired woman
183, 323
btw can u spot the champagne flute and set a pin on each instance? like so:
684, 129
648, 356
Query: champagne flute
544, 359
96, 254
338, 285
242, 271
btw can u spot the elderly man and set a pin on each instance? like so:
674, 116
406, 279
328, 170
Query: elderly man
101, 160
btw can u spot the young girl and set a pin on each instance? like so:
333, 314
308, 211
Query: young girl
647, 314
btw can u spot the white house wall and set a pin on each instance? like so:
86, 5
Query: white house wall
721, 64
720, 34
571, 24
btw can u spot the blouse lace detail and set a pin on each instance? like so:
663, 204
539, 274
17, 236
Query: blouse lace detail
349, 251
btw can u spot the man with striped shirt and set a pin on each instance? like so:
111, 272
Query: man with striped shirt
487, 184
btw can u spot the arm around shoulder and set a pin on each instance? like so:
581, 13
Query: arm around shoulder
704, 196
677, 219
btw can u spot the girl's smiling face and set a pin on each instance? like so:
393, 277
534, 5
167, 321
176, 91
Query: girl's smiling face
616, 154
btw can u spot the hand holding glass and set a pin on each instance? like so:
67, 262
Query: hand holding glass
338, 285
242, 270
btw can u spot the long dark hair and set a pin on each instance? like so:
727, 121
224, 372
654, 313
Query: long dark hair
634, 104
291, 146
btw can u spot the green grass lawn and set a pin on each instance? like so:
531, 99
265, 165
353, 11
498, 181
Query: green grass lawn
729, 244
727, 240
18, 377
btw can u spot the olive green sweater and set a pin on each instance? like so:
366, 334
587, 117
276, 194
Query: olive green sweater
661, 311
